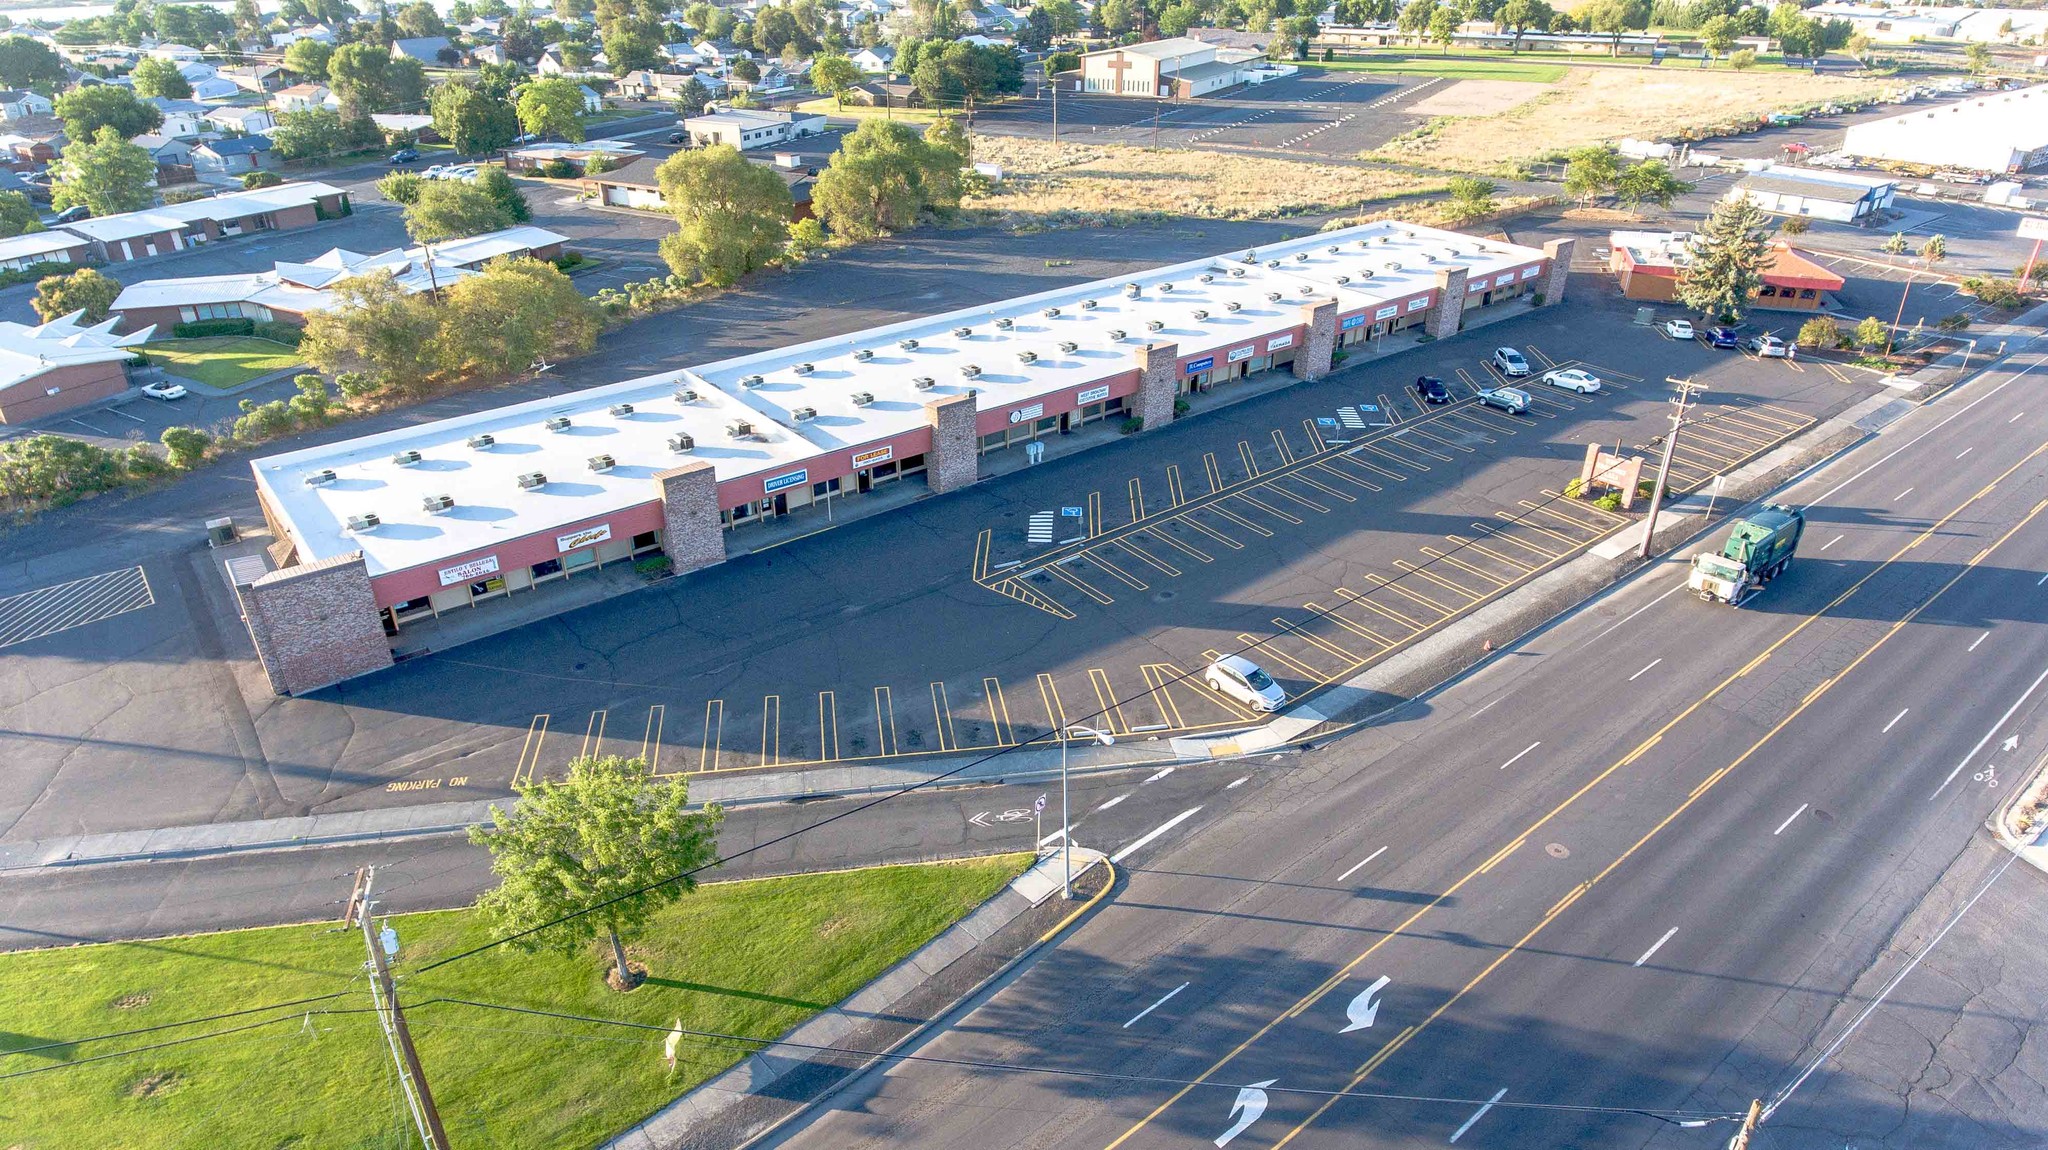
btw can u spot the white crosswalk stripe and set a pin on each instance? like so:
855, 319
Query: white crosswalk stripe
34, 614
1040, 530
1349, 417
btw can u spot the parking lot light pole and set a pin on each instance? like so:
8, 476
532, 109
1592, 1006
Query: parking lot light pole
1686, 390
1066, 823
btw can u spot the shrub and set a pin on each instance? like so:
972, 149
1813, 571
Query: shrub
11, 276
1132, 425
260, 179
186, 446
276, 331
186, 195
1794, 226
1180, 407
1609, 502
320, 211
1820, 331
652, 566
200, 329
1956, 322
1575, 489
568, 261
558, 170
261, 421
1999, 293
1743, 60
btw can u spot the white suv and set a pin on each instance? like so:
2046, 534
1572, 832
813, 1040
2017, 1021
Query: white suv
1510, 362
1237, 677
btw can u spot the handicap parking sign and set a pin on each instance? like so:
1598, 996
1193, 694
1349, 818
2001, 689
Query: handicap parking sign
1368, 407
1072, 512
1326, 421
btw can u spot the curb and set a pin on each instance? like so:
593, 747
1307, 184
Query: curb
2001, 820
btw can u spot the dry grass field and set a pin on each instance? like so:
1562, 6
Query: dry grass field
1594, 105
1096, 184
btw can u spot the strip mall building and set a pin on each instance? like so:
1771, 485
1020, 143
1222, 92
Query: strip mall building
375, 533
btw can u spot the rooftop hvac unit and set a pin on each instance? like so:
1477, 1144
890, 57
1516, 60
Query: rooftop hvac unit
557, 423
221, 532
532, 479
963, 333
1115, 333
1155, 325
1366, 274
803, 369
1272, 297
1052, 313
482, 442
1272, 263
924, 383
1165, 288
682, 441
1069, 346
1386, 239
1452, 253
320, 478
1206, 278
1393, 267
406, 458
1301, 257
1334, 249
621, 410
804, 414
1027, 357
1364, 242
1233, 305
740, 429
435, 504
1429, 257
1408, 232
863, 355
1237, 273
751, 381
1087, 305
970, 370
1201, 314
907, 344
862, 398
1005, 324
1343, 279
602, 463
367, 521
686, 395
1133, 290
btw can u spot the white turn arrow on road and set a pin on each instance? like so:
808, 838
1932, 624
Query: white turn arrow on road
2011, 743
1250, 1104
1364, 1009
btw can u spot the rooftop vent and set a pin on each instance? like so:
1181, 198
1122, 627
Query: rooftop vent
751, 381
367, 521
685, 395
406, 458
1133, 290
1155, 325
804, 414
1051, 313
681, 442
1233, 305
1334, 249
1429, 257
557, 423
1206, 278
435, 504
1408, 232
1201, 314
1237, 273
1005, 324
1301, 257
907, 344
1386, 239
1069, 346
482, 442
1027, 357
962, 332
863, 398
740, 429
1393, 267
924, 383
621, 410
1115, 333
1343, 279
1272, 263
1366, 274
1087, 305
1165, 288
970, 370
1364, 242
601, 463
803, 369
320, 478
1273, 297
532, 479
863, 355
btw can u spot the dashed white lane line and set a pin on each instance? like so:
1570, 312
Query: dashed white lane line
1360, 863
1238, 783
1520, 753
1787, 822
1963, 452
1111, 803
1832, 542
1980, 639
1161, 829
1155, 778
2016, 417
1902, 495
1654, 948
1645, 670
1156, 1005
1895, 721
2041, 580
1479, 1113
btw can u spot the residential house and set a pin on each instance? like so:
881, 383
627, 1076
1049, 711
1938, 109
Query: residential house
19, 103
484, 54
22, 151
18, 253
720, 55
214, 89
885, 94
60, 365
197, 70
593, 103
425, 49
183, 119
647, 85
305, 98
878, 60
319, 32
167, 152
235, 156
751, 128
179, 52
405, 125
684, 55
552, 63
981, 40
635, 185
240, 118
258, 78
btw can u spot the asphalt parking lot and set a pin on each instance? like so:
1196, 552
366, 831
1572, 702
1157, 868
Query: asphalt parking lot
1245, 527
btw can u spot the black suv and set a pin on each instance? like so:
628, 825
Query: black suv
1432, 389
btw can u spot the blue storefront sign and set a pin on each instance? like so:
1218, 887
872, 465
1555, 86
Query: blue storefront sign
1355, 321
782, 482
1200, 365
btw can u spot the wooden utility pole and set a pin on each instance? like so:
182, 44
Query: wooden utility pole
1749, 1124
411, 1076
1686, 389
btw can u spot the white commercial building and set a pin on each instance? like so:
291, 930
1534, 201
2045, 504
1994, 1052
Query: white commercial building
1826, 195
1179, 67
2000, 132
745, 129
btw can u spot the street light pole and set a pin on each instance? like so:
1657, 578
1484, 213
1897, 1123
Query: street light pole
1066, 823
1686, 388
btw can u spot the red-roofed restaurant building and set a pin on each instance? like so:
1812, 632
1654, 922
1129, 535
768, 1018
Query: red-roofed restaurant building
1648, 264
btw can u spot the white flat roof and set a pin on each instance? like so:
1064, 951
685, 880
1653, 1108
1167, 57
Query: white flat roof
1379, 264
37, 244
2017, 120
176, 217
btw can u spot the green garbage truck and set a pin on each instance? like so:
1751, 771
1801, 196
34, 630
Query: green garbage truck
1760, 546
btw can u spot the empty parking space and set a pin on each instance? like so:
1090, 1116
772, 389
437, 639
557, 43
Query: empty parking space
35, 614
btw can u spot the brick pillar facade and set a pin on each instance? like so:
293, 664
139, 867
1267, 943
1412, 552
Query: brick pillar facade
1158, 379
1551, 283
955, 459
1449, 313
315, 624
691, 534
1313, 360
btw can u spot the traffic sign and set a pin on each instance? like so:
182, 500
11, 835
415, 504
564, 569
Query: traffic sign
1073, 512
1038, 804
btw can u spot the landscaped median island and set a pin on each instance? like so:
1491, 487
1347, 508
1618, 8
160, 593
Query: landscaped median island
753, 958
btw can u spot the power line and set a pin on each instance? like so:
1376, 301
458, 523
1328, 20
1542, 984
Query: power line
145, 1049
174, 1025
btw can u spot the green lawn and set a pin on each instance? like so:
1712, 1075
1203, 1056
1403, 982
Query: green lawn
1453, 67
222, 360
750, 958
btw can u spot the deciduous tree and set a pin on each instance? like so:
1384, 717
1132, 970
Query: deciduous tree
84, 290
450, 209
307, 59
106, 173
18, 215
498, 322
832, 74
1591, 172
1649, 182
470, 120
309, 133
373, 326
732, 216
154, 77
552, 107
86, 110
26, 63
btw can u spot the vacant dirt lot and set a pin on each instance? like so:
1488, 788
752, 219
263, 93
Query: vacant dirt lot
1476, 98
1594, 105
1093, 184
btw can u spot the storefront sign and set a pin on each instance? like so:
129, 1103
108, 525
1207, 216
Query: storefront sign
786, 481
1238, 354
873, 455
1093, 395
1279, 341
1025, 414
1418, 304
1505, 280
576, 540
1530, 273
469, 572
1388, 312
1200, 365
1355, 321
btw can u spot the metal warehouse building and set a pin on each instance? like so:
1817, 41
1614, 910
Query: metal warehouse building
2003, 132
377, 532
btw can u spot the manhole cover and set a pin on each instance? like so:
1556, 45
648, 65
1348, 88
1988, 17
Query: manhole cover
1823, 815
1163, 596
1558, 851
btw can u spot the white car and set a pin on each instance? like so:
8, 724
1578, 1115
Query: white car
1573, 379
433, 172
465, 174
1510, 362
1237, 677
164, 390
1768, 347
1678, 328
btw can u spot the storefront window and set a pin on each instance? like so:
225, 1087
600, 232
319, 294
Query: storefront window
412, 607
645, 541
487, 588
546, 569
576, 559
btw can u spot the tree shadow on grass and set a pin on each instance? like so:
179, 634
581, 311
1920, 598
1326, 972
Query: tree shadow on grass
757, 996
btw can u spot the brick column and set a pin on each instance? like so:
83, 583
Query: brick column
315, 624
1158, 378
1449, 312
1313, 360
691, 535
1551, 282
954, 460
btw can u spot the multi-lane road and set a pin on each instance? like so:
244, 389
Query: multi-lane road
1643, 868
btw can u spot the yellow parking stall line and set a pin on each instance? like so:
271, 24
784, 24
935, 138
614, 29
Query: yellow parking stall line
1332, 472
828, 726
1095, 556
886, 742
1475, 545
1792, 418
942, 718
1461, 565
529, 751
1357, 600
1487, 420
1315, 438
1443, 610
1718, 450
1279, 487
650, 743
1266, 646
771, 730
1772, 424
1205, 529
1314, 641
1031, 597
1240, 520
1560, 516
1569, 542
1389, 408
1357, 629
1440, 439
1268, 508
1160, 535
1302, 477
1695, 456
1175, 493
1377, 450
1597, 512
1469, 380
593, 735
1439, 580
1077, 583
1137, 499
1280, 444
982, 544
1727, 425
998, 711
714, 735
1724, 434
1056, 713
1106, 701
1542, 357
1094, 514
1495, 533
1540, 405
1794, 364
1604, 372
1831, 369
1244, 452
1157, 678
1129, 543
1408, 439
1354, 458
1214, 472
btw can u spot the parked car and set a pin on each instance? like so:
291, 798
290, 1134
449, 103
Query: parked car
528, 138
679, 137
1431, 389
162, 390
466, 174
405, 156
1768, 346
1510, 362
433, 171
72, 214
1512, 400
1678, 328
1237, 677
1573, 379
1723, 337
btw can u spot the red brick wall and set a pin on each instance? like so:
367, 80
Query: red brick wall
77, 385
